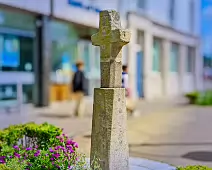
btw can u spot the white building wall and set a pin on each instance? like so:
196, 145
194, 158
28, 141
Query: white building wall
37, 6
159, 11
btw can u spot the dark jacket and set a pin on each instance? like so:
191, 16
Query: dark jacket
80, 82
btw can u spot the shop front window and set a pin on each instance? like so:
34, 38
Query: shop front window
190, 59
174, 57
156, 55
16, 53
64, 51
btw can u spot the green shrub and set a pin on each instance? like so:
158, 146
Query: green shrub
198, 167
192, 97
29, 134
38, 147
205, 98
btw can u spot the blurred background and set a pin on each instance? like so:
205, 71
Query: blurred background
40, 41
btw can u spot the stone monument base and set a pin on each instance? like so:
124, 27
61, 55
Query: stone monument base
109, 129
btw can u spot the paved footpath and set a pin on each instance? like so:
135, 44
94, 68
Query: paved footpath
179, 137
145, 164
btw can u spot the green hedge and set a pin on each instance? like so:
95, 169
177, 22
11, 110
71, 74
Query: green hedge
194, 168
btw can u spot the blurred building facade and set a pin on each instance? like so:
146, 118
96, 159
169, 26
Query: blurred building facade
48, 36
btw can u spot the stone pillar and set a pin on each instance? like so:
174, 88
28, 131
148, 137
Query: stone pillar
182, 67
165, 65
109, 124
148, 55
42, 62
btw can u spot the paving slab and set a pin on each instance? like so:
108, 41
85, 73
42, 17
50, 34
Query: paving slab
145, 164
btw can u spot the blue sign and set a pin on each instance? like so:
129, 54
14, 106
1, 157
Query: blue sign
81, 5
11, 52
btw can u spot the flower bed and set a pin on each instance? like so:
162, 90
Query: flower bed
38, 147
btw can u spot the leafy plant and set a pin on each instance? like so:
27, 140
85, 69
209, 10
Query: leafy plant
4, 167
205, 98
29, 134
197, 167
192, 97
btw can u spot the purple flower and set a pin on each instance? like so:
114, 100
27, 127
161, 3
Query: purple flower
69, 142
16, 147
56, 155
58, 137
75, 145
70, 167
17, 155
11, 157
37, 153
71, 151
28, 149
51, 159
2, 161
51, 150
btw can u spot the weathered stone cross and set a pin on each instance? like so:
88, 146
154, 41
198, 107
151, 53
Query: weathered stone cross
111, 38
109, 125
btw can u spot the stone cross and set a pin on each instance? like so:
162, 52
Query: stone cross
109, 125
111, 38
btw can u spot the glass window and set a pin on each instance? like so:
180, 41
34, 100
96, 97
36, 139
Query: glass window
141, 4
64, 50
156, 54
191, 15
16, 53
71, 42
172, 11
27, 93
8, 93
174, 57
14, 19
190, 59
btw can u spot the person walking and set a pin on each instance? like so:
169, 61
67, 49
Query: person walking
125, 83
130, 104
79, 85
